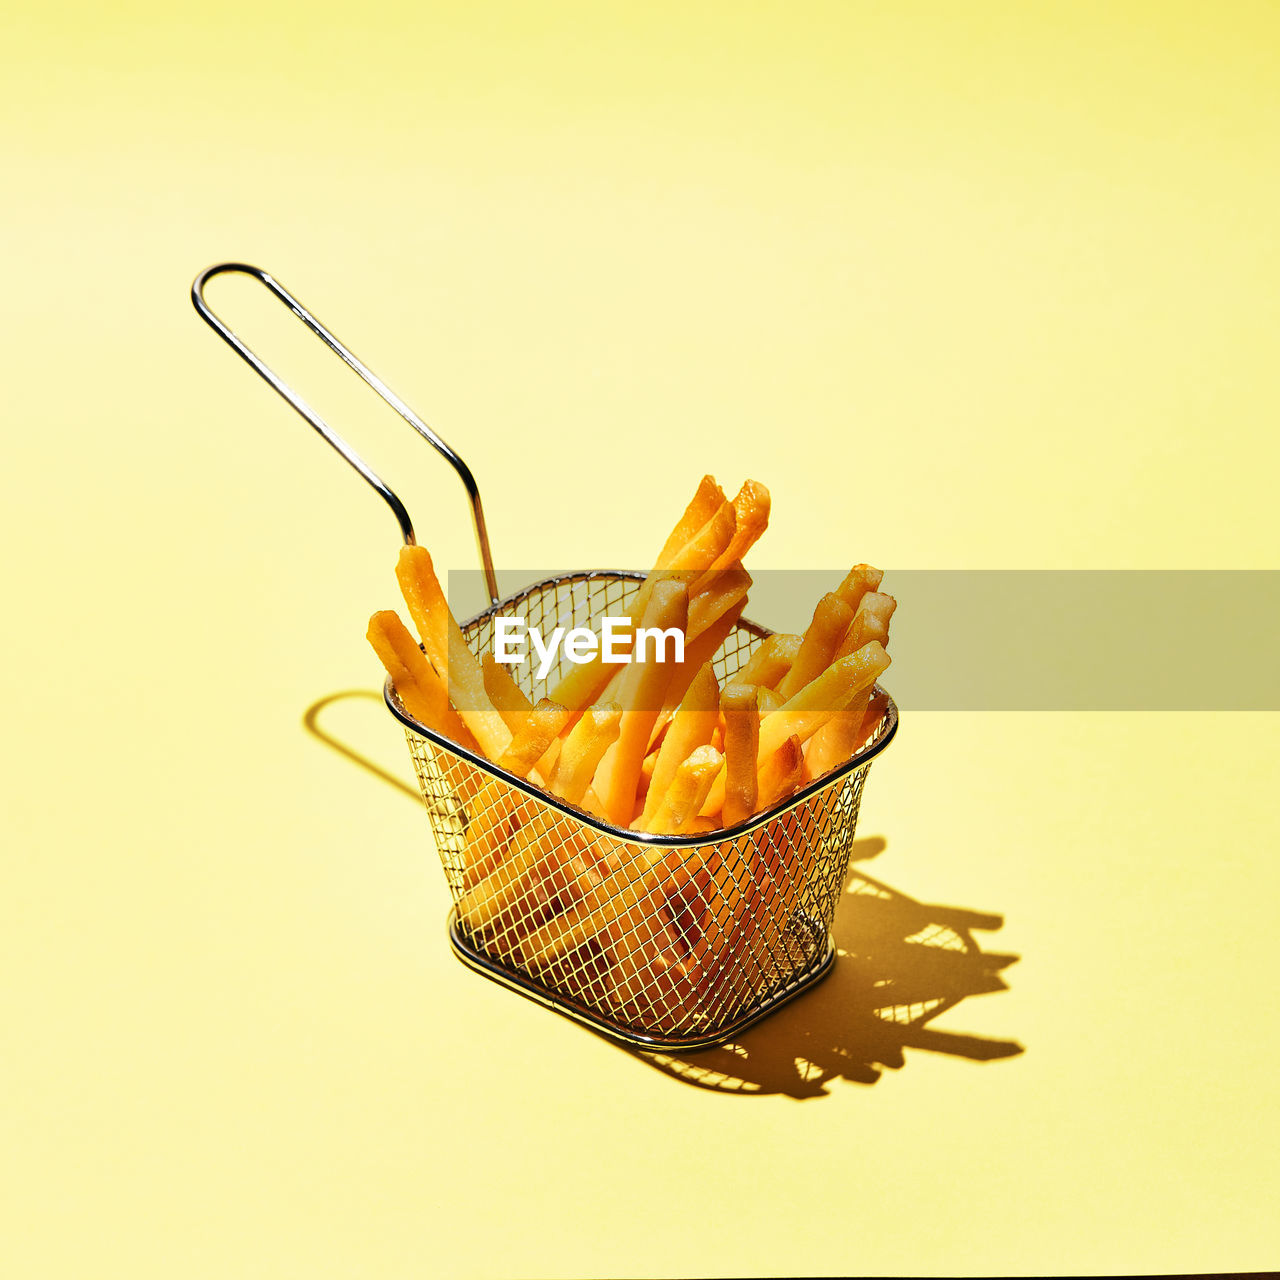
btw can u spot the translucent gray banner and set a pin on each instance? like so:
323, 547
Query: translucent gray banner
1036, 640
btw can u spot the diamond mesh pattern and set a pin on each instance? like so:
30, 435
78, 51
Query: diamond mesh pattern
667, 944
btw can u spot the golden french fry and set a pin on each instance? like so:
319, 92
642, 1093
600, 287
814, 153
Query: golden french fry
688, 553
421, 590
615, 895
692, 727
541, 727
684, 796
729, 957
507, 697
751, 518
593, 805
726, 590
831, 619
770, 662
497, 811
837, 740
597, 729
480, 907
646, 777
645, 954
741, 708
870, 622
857, 582
807, 711
643, 684
701, 552
874, 713
769, 699
696, 654
448, 651
699, 826
779, 774
521, 892
421, 688
706, 502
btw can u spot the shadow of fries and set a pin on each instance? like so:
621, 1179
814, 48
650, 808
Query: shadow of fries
900, 964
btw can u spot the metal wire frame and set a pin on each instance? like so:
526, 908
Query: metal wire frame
371, 379
764, 892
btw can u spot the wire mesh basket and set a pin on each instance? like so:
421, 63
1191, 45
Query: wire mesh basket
746, 914
659, 942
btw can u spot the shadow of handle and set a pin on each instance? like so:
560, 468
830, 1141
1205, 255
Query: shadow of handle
311, 723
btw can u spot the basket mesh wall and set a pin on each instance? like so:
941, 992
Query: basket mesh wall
669, 945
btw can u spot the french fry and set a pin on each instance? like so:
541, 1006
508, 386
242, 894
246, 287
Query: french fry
585, 682
699, 826
741, 708
597, 729
544, 859
442, 639
496, 813
481, 907
541, 727
698, 557
640, 693
870, 622
705, 503
727, 590
422, 593
682, 799
831, 619
874, 713
857, 582
645, 953
837, 740
729, 958
646, 777
769, 699
751, 518
691, 728
619, 891
421, 688
771, 661
779, 774
696, 654
807, 711
507, 697
713, 613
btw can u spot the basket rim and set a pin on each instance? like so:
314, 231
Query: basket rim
628, 834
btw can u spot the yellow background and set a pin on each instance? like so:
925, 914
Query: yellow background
968, 285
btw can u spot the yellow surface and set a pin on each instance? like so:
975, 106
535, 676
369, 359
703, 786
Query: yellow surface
968, 285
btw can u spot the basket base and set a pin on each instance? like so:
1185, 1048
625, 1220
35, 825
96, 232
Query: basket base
821, 965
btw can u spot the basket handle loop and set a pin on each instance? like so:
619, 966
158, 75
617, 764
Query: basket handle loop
371, 477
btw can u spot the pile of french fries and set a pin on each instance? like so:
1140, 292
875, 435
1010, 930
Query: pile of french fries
652, 746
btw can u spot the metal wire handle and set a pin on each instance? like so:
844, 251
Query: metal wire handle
224, 331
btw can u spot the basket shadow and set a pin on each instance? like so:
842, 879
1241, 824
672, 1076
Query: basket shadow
900, 964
